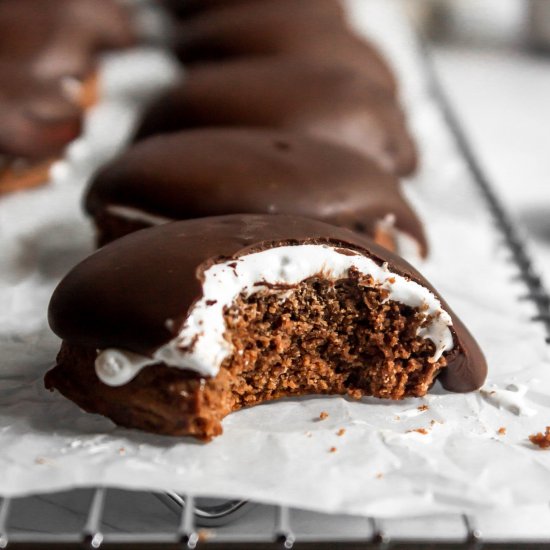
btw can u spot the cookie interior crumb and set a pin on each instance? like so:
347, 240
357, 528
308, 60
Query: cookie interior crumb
328, 337
540, 439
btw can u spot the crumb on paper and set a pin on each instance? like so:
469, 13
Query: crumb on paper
422, 431
397, 417
42, 460
423, 407
540, 439
204, 535
323, 415
122, 451
341, 432
379, 475
501, 431
308, 434
332, 450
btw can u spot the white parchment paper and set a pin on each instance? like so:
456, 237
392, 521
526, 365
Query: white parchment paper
280, 452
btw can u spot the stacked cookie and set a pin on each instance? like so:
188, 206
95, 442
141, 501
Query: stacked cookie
47, 78
247, 234
286, 89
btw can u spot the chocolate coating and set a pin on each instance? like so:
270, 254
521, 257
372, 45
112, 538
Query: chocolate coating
122, 295
209, 172
265, 29
325, 100
63, 37
38, 120
187, 8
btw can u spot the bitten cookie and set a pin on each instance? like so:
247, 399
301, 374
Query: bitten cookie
325, 100
171, 328
215, 171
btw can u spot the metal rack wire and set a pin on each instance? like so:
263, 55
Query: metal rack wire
188, 532
536, 291
200, 523
280, 528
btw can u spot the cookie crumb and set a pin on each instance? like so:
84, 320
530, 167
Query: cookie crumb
332, 450
122, 451
308, 434
422, 431
323, 415
204, 535
423, 407
540, 439
40, 460
501, 431
341, 431
379, 475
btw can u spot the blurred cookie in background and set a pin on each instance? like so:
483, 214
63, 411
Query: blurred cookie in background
39, 118
218, 171
321, 99
294, 28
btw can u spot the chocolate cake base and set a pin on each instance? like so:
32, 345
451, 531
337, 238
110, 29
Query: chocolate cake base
319, 337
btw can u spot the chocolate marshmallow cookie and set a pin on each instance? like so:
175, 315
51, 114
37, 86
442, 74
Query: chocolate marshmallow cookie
214, 171
38, 120
60, 38
48, 53
322, 99
171, 328
294, 28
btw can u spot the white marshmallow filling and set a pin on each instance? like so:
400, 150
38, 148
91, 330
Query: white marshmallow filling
137, 215
200, 345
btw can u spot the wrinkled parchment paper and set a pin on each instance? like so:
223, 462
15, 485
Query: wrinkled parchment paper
280, 452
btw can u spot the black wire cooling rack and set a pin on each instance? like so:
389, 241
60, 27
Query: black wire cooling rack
119, 520
111, 518
536, 291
